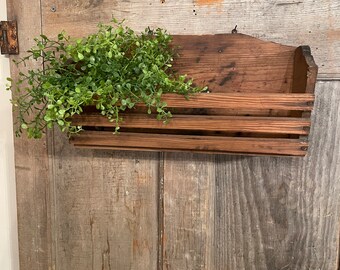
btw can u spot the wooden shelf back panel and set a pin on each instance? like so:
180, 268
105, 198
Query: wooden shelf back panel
207, 144
235, 62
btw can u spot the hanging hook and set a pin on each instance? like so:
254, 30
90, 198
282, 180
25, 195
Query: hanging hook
234, 31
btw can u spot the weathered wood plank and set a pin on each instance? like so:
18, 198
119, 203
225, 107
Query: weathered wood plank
188, 211
200, 122
207, 144
283, 213
105, 208
31, 159
287, 22
268, 213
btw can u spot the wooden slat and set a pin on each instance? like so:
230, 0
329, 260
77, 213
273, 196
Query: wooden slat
236, 101
201, 122
209, 144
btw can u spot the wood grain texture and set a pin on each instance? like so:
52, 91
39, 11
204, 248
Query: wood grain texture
283, 21
31, 159
105, 208
237, 101
194, 143
188, 211
305, 71
284, 212
267, 213
235, 63
272, 125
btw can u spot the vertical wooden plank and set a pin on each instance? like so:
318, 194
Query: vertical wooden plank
105, 208
283, 213
31, 159
188, 211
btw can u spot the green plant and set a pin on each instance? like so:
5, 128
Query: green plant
112, 69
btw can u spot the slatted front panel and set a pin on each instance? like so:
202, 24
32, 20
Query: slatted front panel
206, 133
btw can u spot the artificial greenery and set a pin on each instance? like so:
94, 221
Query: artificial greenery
112, 69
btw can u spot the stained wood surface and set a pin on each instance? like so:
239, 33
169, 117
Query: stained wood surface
272, 125
104, 208
287, 22
258, 213
168, 142
255, 100
235, 62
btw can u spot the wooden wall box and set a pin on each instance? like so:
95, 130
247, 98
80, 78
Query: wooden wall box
260, 100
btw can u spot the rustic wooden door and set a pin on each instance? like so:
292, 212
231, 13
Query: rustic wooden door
95, 209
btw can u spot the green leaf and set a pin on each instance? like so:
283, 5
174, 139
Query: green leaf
44, 37
80, 56
47, 118
61, 122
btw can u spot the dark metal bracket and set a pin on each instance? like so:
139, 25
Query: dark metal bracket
9, 37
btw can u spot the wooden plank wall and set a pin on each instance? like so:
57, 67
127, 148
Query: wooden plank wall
94, 209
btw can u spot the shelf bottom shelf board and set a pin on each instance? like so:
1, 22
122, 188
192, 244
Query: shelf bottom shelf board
190, 143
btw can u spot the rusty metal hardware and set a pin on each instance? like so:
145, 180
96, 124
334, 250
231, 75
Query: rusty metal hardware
9, 37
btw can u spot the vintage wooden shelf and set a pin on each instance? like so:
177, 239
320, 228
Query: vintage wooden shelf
260, 101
